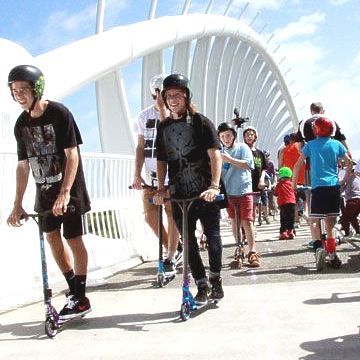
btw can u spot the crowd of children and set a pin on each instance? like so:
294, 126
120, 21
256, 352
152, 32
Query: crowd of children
185, 157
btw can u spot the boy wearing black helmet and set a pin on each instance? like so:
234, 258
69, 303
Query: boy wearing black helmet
188, 147
236, 174
48, 142
145, 156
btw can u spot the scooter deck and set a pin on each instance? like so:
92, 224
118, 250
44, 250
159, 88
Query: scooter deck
62, 322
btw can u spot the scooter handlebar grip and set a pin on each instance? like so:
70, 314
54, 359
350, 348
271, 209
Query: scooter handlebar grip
219, 197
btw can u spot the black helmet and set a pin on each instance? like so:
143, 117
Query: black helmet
225, 127
179, 81
31, 74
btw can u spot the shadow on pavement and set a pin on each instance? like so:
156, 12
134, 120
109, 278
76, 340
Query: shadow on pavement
341, 347
336, 298
128, 322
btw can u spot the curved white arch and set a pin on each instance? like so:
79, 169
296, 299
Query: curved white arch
102, 55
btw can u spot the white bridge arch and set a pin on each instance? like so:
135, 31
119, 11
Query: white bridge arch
229, 65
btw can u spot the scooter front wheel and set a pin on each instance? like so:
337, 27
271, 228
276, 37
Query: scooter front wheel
161, 280
185, 311
50, 328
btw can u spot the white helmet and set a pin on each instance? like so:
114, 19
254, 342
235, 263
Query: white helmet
250, 128
156, 82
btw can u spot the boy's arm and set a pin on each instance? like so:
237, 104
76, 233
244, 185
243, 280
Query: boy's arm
63, 198
139, 162
348, 169
296, 169
215, 165
241, 164
22, 177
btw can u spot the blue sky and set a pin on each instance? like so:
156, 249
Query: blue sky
318, 38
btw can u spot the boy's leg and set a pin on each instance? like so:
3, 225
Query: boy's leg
210, 218
195, 261
173, 233
151, 215
247, 222
353, 213
78, 304
51, 226
59, 251
345, 219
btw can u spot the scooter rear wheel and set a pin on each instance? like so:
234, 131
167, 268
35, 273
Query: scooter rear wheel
50, 328
185, 311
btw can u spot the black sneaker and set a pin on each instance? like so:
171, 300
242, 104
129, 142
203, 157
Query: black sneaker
217, 291
334, 261
75, 308
202, 296
169, 267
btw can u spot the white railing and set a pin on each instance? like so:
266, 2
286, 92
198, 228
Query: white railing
117, 235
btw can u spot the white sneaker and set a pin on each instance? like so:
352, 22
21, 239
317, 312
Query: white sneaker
178, 257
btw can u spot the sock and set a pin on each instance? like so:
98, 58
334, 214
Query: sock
171, 255
331, 245
70, 279
179, 247
80, 286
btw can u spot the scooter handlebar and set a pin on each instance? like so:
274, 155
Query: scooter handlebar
219, 197
69, 209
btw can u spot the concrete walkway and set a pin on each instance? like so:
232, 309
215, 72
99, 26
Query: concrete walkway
316, 318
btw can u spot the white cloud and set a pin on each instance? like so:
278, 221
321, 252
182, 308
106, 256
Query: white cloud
338, 2
70, 22
65, 26
307, 25
260, 4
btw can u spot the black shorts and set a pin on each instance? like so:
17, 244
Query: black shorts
72, 224
325, 201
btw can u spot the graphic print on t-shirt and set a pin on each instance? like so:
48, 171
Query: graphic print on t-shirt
187, 168
40, 143
149, 137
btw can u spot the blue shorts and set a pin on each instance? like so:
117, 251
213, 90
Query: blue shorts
325, 201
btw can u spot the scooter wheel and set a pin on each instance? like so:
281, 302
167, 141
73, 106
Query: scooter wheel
185, 311
161, 280
50, 328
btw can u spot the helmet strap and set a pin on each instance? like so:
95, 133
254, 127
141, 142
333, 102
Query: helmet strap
32, 106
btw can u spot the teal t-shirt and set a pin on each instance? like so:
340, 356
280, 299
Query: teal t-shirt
324, 154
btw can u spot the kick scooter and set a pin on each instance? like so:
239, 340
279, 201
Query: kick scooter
52, 321
162, 278
188, 304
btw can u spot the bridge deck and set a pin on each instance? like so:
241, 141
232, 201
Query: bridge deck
283, 310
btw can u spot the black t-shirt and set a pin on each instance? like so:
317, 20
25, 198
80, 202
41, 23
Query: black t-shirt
305, 130
184, 147
42, 141
260, 165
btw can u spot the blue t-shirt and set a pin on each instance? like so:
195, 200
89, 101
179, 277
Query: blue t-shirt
324, 154
238, 180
